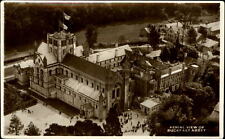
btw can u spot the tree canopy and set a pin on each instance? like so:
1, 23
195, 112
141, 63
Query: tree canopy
88, 128
81, 128
175, 110
32, 130
197, 92
91, 35
15, 125
191, 36
112, 126
203, 31
154, 37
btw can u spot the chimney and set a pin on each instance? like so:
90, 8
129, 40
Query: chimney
116, 52
97, 58
141, 74
116, 45
170, 70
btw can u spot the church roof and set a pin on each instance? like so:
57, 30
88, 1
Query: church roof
82, 88
43, 51
87, 67
108, 54
25, 63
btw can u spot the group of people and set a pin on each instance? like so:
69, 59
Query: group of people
28, 111
132, 125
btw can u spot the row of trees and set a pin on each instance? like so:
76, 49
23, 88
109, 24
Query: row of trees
25, 23
112, 127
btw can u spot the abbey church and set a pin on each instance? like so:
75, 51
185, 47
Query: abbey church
61, 71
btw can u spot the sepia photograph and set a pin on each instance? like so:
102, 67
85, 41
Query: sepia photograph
112, 68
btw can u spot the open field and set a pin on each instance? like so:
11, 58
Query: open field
106, 34
111, 34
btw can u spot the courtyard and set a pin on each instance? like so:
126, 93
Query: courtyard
43, 115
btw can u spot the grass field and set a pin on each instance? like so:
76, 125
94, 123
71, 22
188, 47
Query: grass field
111, 33
106, 34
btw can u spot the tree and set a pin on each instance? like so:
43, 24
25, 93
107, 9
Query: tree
179, 50
175, 110
91, 35
112, 126
165, 54
191, 36
203, 31
191, 52
197, 92
211, 77
88, 128
154, 37
32, 130
121, 39
15, 125
55, 130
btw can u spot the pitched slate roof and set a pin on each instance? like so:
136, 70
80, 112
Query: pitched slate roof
43, 51
155, 53
149, 103
83, 89
108, 54
26, 64
209, 43
87, 67
214, 26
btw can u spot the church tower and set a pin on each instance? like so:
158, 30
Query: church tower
61, 43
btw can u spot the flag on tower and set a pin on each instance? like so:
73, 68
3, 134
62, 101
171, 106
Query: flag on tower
62, 25
67, 17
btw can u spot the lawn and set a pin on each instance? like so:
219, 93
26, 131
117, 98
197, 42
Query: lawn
111, 33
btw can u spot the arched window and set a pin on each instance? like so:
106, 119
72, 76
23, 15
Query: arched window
41, 72
118, 92
50, 40
37, 70
66, 73
50, 72
113, 94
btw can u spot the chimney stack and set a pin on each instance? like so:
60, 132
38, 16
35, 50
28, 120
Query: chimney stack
97, 58
116, 52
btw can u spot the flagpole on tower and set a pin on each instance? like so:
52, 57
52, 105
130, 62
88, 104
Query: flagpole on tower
61, 22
